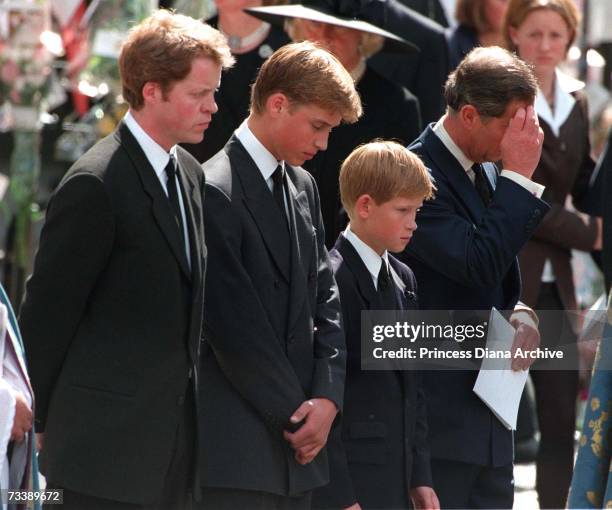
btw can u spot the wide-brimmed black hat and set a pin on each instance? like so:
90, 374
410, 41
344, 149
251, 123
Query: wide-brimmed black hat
341, 13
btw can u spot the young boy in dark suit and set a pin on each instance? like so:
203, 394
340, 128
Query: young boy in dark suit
378, 455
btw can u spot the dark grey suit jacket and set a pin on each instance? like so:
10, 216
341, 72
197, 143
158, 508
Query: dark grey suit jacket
272, 327
111, 322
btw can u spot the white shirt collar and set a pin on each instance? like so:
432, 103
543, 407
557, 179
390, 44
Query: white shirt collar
154, 152
370, 258
452, 147
263, 158
564, 101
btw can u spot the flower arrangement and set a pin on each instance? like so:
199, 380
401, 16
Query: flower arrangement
26, 59
24, 75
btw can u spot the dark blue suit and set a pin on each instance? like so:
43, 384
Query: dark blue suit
379, 452
464, 256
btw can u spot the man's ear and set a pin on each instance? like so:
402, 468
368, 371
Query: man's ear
363, 206
277, 104
469, 116
151, 92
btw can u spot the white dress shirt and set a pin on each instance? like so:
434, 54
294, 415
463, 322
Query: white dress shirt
533, 187
372, 260
263, 158
564, 102
159, 158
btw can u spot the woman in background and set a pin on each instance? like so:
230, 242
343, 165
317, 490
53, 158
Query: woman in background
541, 32
480, 23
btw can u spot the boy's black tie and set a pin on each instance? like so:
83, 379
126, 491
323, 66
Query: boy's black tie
386, 288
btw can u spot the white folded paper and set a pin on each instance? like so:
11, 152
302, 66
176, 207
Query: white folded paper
498, 386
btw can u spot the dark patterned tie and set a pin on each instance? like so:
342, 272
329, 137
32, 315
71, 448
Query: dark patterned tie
386, 288
481, 184
171, 171
278, 178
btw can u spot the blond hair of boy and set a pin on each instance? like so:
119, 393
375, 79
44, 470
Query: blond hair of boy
382, 185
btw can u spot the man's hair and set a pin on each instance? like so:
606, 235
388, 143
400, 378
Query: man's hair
384, 170
518, 10
490, 79
162, 48
471, 13
307, 74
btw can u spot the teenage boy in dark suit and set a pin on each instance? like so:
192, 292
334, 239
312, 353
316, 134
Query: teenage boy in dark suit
274, 355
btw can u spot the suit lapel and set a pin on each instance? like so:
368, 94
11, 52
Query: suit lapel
460, 184
260, 203
360, 272
405, 293
161, 205
193, 208
301, 247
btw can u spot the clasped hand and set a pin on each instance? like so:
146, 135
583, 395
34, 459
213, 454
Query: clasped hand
318, 415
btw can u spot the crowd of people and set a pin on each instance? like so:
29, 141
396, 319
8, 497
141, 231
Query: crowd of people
192, 326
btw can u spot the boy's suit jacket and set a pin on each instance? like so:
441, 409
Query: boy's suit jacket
111, 321
272, 327
464, 257
379, 452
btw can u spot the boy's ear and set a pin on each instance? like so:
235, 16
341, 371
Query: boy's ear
363, 206
277, 104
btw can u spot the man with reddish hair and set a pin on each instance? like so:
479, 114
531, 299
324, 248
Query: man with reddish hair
113, 311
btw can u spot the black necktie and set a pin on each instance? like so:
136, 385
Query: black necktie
278, 178
171, 171
386, 288
481, 184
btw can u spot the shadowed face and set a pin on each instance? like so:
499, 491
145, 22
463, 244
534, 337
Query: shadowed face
300, 131
487, 134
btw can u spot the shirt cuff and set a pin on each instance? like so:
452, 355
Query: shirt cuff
526, 316
533, 187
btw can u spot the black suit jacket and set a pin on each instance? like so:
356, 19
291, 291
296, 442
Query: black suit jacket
461, 40
380, 450
389, 112
430, 8
464, 257
272, 327
111, 321
423, 73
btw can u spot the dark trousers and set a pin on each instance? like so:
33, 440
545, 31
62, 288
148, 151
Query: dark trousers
238, 499
556, 406
469, 486
176, 493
